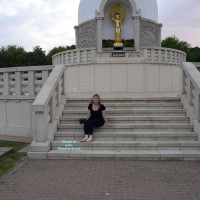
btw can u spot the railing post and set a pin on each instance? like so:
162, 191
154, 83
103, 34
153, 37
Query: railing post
41, 126
198, 108
18, 90
52, 105
31, 83
183, 82
45, 75
6, 85
190, 95
63, 84
152, 55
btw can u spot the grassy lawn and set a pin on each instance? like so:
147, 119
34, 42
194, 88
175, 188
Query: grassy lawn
7, 162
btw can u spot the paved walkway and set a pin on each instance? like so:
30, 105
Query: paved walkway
16, 138
101, 180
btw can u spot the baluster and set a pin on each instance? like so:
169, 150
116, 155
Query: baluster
18, 90
31, 83
198, 107
190, 95
145, 54
78, 57
183, 82
45, 75
6, 84
63, 87
52, 105
152, 55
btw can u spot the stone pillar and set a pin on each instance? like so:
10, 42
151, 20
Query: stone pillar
99, 20
136, 20
76, 34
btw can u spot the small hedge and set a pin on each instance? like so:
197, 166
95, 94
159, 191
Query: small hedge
109, 43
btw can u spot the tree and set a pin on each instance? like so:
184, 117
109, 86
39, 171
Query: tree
174, 43
12, 56
56, 50
36, 57
193, 54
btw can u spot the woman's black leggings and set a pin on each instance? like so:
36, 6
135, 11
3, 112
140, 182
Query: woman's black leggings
90, 124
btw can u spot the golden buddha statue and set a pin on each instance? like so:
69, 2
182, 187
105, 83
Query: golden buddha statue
117, 15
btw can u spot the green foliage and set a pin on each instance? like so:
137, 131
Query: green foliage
15, 56
12, 55
7, 162
193, 54
56, 50
174, 43
109, 43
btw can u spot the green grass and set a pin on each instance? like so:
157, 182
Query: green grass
7, 162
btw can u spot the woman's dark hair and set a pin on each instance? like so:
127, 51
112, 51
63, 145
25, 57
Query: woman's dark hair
96, 95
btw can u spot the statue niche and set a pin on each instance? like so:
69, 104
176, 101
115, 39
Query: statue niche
117, 15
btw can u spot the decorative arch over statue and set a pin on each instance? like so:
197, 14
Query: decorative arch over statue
140, 24
133, 25
132, 2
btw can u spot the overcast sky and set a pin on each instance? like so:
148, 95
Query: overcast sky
50, 23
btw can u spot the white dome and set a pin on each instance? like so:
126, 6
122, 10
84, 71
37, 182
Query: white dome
87, 9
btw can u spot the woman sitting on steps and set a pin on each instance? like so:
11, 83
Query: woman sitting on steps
96, 117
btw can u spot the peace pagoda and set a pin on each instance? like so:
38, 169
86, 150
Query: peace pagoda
118, 51
152, 95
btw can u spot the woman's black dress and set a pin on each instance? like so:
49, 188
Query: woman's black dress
95, 120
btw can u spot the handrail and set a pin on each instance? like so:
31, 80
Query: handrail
191, 87
48, 105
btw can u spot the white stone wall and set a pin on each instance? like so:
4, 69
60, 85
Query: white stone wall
16, 118
18, 88
120, 77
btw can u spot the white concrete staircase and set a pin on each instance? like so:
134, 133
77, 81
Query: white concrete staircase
143, 129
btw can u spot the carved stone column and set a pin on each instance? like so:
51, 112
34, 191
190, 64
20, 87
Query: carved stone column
99, 20
76, 34
136, 20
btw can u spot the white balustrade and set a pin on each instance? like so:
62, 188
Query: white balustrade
22, 82
48, 107
191, 88
74, 57
163, 55
148, 54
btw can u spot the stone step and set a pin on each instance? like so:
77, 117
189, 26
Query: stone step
133, 112
120, 108
133, 120
133, 154
128, 103
129, 100
128, 135
136, 126
124, 145
75, 106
